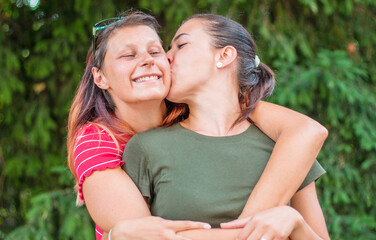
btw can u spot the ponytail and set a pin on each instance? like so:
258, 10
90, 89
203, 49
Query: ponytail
259, 85
176, 112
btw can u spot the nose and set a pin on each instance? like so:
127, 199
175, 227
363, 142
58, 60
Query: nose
169, 56
147, 60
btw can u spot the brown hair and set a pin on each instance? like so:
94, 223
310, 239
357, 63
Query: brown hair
255, 82
176, 112
94, 105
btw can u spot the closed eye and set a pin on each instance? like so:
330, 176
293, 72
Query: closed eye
181, 45
127, 55
155, 52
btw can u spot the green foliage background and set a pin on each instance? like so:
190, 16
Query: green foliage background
323, 53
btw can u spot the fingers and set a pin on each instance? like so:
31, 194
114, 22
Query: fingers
260, 229
248, 232
256, 234
238, 223
178, 226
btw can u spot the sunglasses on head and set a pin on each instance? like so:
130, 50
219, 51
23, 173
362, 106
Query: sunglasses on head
99, 26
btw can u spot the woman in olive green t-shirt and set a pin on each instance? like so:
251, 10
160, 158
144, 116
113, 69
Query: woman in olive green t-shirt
205, 167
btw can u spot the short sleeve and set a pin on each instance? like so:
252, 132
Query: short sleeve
315, 173
136, 166
94, 150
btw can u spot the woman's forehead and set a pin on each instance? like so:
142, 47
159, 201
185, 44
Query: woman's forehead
191, 28
191, 25
138, 34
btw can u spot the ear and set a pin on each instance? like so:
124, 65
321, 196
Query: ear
99, 78
226, 56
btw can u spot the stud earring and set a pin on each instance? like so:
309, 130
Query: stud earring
219, 64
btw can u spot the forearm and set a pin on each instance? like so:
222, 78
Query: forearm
215, 234
307, 204
111, 196
298, 141
291, 159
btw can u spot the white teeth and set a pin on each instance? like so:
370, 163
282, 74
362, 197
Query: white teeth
142, 79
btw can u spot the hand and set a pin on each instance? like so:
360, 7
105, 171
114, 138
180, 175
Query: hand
276, 223
153, 228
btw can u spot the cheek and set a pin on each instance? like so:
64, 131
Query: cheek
181, 66
191, 62
122, 69
166, 67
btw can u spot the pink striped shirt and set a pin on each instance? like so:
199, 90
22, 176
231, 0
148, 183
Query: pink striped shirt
95, 150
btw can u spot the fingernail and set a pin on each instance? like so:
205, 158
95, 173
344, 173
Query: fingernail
207, 226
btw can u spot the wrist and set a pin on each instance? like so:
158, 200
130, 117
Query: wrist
117, 232
299, 222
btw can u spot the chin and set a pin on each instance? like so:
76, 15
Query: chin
153, 96
173, 99
174, 96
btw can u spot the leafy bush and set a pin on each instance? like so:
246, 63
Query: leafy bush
323, 53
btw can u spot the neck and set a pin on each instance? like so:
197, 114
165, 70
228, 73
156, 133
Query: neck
214, 112
143, 116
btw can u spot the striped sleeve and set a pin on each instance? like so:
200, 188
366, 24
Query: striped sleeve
94, 150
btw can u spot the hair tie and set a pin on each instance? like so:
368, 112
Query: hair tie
257, 61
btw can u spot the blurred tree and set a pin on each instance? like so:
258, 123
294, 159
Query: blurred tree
322, 52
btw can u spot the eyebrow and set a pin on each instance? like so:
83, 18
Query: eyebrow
176, 38
132, 45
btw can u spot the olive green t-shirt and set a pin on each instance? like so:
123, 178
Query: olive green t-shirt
189, 176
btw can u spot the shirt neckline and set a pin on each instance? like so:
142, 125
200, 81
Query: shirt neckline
200, 136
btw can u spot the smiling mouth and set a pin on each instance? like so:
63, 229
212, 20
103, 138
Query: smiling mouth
147, 79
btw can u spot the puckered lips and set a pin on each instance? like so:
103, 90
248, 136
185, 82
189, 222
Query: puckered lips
147, 78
